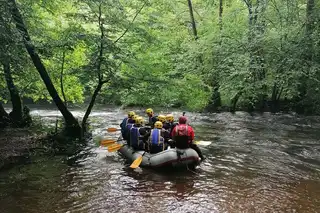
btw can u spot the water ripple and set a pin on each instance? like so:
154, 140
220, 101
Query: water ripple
259, 163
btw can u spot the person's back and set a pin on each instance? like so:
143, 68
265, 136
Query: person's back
156, 140
136, 134
125, 122
130, 124
151, 117
169, 124
182, 134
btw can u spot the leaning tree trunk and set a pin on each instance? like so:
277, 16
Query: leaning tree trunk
193, 22
4, 117
61, 77
100, 75
89, 109
71, 122
16, 113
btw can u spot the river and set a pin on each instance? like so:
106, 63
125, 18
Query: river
260, 163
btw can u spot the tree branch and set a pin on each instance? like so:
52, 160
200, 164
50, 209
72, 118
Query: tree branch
134, 18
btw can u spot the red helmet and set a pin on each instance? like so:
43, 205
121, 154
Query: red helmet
182, 120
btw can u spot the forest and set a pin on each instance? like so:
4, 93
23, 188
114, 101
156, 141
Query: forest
204, 55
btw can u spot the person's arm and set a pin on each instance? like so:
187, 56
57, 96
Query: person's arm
142, 131
122, 124
191, 133
154, 119
172, 132
146, 136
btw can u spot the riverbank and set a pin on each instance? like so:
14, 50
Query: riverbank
17, 145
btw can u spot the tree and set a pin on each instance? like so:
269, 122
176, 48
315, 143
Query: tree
193, 22
71, 122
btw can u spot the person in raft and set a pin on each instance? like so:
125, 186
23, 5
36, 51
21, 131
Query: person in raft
151, 117
125, 121
156, 139
165, 132
169, 124
128, 127
183, 135
137, 133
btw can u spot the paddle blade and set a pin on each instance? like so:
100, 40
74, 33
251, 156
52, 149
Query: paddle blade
136, 163
203, 143
114, 147
107, 141
112, 129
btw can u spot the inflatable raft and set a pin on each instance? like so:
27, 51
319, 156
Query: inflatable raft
170, 158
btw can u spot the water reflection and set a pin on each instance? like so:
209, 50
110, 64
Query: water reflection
259, 163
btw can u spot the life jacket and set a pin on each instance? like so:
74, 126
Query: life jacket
166, 125
172, 126
169, 126
156, 141
152, 120
135, 140
127, 131
182, 137
123, 125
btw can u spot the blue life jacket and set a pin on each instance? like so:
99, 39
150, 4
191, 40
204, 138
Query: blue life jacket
156, 141
126, 135
135, 140
123, 125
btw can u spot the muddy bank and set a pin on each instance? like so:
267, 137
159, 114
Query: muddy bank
17, 145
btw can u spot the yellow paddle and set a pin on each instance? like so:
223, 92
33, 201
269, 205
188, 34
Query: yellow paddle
113, 129
136, 163
114, 147
203, 143
107, 142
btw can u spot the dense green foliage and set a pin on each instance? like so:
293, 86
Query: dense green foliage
252, 54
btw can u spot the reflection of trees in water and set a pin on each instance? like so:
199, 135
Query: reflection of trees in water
176, 184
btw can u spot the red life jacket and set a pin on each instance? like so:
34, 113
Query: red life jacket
182, 137
181, 130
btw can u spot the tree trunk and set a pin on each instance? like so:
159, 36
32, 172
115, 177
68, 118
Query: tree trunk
93, 99
16, 113
310, 20
100, 75
234, 101
215, 102
4, 117
307, 56
61, 77
194, 28
70, 121
256, 54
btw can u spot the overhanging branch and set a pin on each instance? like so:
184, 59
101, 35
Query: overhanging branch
134, 18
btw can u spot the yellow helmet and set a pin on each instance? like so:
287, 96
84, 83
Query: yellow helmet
169, 118
134, 117
139, 120
158, 125
149, 111
161, 118
131, 114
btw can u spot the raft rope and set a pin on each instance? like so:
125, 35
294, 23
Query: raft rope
197, 173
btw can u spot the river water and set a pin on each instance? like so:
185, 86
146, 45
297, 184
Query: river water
260, 163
